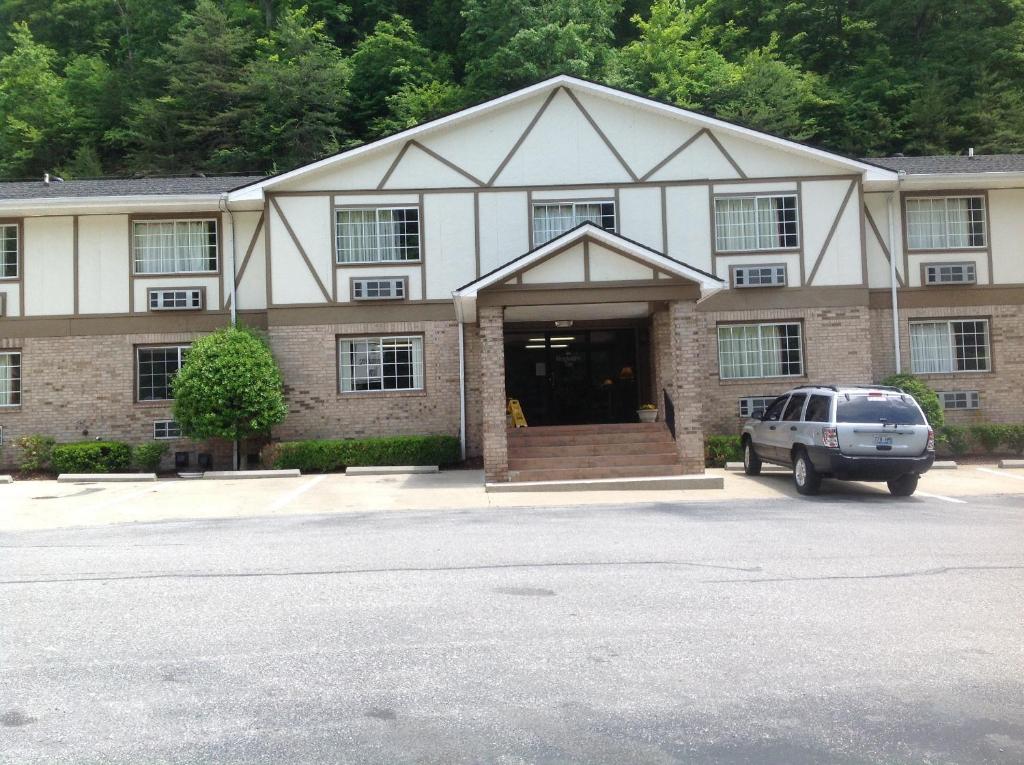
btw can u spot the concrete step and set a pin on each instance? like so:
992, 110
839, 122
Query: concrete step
567, 439
615, 427
567, 462
605, 471
517, 450
650, 483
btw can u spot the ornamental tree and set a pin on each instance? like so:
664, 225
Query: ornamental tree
229, 386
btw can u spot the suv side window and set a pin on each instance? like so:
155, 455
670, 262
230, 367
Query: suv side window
796, 403
774, 412
818, 409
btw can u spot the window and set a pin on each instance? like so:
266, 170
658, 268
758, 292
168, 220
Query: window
156, 368
759, 276
174, 246
378, 289
818, 409
950, 273
380, 363
756, 223
9, 251
945, 223
949, 346
190, 299
751, 405
551, 219
893, 410
794, 407
166, 430
10, 378
960, 399
759, 350
377, 235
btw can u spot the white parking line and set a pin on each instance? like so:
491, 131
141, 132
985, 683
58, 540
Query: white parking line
1001, 473
104, 505
291, 496
954, 500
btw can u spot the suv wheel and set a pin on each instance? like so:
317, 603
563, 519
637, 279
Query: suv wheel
751, 462
806, 478
903, 486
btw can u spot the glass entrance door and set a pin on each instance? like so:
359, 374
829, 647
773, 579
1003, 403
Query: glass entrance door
571, 377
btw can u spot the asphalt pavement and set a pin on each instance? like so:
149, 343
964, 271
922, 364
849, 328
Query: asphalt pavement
843, 629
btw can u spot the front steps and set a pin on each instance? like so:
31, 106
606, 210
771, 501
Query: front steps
585, 452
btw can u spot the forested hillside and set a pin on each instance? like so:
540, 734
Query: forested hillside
99, 87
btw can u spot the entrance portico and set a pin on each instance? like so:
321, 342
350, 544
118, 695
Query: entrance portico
583, 330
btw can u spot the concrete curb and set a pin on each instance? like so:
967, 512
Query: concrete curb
945, 465
657, 483
392, 470
737, 467
243, 474
6, 479
106, 477
1011, 463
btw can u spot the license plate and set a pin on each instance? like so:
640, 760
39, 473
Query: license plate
883, 440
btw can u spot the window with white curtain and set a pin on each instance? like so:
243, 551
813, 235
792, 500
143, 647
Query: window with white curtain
938, 347
759, 350
9, 251
756, 222
380, 363
377, 234
551, 219
945, 223
174, 246
10, 378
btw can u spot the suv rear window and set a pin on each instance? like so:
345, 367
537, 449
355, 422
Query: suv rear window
892, 410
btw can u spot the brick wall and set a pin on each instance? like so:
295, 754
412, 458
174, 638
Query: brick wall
492, 380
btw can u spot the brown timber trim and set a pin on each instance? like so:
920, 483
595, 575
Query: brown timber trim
726, 154
446, 162
3, 304
249, 250
519, 141
476, 233
954, 296
586, 260
74, 266
831, 233
20, 278
115, 324
301, 249
664, 221
387, 312
785, 297
673, 154
863, 233
582, 292
394, 165
881, 243
601, 134
268, 272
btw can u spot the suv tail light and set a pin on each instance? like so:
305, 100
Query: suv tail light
830, 437
931, 440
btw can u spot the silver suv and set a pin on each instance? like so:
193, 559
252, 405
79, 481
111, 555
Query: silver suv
849, 432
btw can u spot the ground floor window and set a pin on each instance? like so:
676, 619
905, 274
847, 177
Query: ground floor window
949, 346
759, 350
166, 430
10, 378
380, 363
960, 399
156, 368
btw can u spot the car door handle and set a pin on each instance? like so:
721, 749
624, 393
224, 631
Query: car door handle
792, 427
771, 427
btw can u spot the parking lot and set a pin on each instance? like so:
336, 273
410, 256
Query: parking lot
47, 504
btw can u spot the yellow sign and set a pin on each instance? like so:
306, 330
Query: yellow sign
516, 410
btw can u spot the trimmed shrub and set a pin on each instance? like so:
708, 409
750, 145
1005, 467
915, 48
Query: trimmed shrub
328, 455
988, 436
955, 439
36, 452
1015, 439
146, 457
721, 449
926, 398
92, 457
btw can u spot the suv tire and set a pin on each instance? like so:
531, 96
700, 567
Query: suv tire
903, 486
806, 478
751, 462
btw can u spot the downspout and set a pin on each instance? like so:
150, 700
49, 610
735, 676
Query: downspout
893, 282
462, 388
232, 285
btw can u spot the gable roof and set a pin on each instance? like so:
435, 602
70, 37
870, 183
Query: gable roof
124, 187
848, 164
465, 296
953, 164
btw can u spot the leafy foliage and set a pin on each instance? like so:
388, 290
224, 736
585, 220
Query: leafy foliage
92, 457
326, 455
926, 398
955, 439
721, 449
36, 452
989, 436
146, 457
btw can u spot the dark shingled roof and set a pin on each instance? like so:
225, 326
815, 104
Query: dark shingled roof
119, 187
953, 164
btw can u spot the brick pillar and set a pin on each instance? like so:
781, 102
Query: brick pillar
684, 383
492, 382
661, 358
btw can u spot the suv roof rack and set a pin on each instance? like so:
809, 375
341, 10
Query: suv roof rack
892, 388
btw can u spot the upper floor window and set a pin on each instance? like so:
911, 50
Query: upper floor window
10, 378
767, 222
174, 246
156, 368
945, 223
377, 234
949, 346
9, 251
759, 350
551, 219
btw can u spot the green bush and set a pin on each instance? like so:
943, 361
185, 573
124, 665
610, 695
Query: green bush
721, 449
146, 457
1015, 439
36, 452
92, 457
926, 398
988, 436
328, 455
955, 439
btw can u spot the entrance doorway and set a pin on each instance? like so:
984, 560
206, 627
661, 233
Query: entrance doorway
576, 376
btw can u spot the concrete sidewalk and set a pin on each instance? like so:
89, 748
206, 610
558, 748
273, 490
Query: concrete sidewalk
47, 504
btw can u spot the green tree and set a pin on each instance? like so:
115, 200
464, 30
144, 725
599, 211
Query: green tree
229, 387
926, 398
415, 104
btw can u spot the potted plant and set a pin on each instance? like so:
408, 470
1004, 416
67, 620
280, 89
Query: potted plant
647, 413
